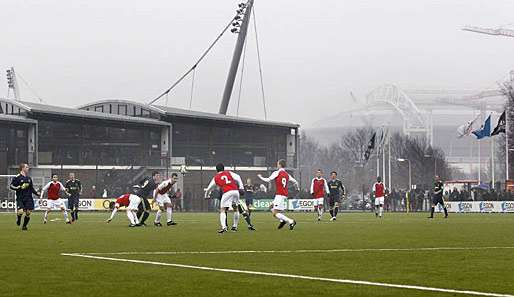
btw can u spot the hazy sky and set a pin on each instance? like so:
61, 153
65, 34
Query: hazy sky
313, 52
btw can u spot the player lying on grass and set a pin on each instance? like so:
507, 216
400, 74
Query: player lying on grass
230, 183
53, 192
281, 178
131, 202
24, 188
163, 200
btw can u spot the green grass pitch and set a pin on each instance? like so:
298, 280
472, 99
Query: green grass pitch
32, 264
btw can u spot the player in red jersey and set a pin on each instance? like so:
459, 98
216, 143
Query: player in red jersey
131, 202
379, 194
319, 188
53, 192
230, 185
281, 178
162, 199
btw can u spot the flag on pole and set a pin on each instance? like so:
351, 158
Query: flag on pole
485, 129
466, 129
371, 146
383, 139
500, 127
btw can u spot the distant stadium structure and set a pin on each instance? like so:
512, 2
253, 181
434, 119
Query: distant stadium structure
433, 115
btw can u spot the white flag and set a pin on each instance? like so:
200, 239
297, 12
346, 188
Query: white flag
466, 129
383, 138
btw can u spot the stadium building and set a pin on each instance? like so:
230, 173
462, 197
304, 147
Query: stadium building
111, 144
433, 115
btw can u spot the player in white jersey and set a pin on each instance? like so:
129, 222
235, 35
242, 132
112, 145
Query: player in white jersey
163, 200
281, 178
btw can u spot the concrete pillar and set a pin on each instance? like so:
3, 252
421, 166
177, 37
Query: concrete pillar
32, 143
291, 148
166, 146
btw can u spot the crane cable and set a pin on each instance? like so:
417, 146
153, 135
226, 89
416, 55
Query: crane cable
29, 87
260, 65
196, 63
241, 78
192, 88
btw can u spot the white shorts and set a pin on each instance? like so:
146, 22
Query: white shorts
134, 201
318, 201
162, 199
379, 200
280, 202
52, 204
229, 198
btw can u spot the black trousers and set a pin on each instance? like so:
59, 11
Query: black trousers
438, 200
144, 205
73, 201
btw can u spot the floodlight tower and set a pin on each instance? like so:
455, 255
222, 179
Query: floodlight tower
12, 83
240, 27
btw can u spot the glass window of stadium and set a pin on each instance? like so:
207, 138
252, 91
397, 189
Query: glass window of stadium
233, 145
86, 143
13, 145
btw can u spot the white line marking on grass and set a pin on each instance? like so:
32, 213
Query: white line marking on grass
422, 249
295, 276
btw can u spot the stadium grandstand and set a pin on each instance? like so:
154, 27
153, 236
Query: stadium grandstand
110, 144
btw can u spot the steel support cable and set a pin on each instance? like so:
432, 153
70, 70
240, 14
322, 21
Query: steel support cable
241, 78
195, 64
260, 65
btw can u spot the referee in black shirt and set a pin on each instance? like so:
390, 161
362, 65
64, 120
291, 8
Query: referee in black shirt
74, 188
334, 197
437, 197
24, 188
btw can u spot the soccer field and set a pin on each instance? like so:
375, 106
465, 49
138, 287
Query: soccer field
358, 255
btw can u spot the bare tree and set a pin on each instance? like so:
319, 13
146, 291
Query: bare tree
347, 158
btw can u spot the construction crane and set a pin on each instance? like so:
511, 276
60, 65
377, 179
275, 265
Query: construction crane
498, 31
477, 100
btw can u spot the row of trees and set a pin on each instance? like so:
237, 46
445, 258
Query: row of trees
500, 143
346, 156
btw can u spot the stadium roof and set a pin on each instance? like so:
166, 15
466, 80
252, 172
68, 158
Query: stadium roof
33, 107
14, 118
73, 112
185, 113
178, 112
110, 101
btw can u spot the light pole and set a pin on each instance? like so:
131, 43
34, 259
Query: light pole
360, 165
410, 181
435, 162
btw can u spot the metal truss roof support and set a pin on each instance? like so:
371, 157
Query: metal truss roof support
414, 122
